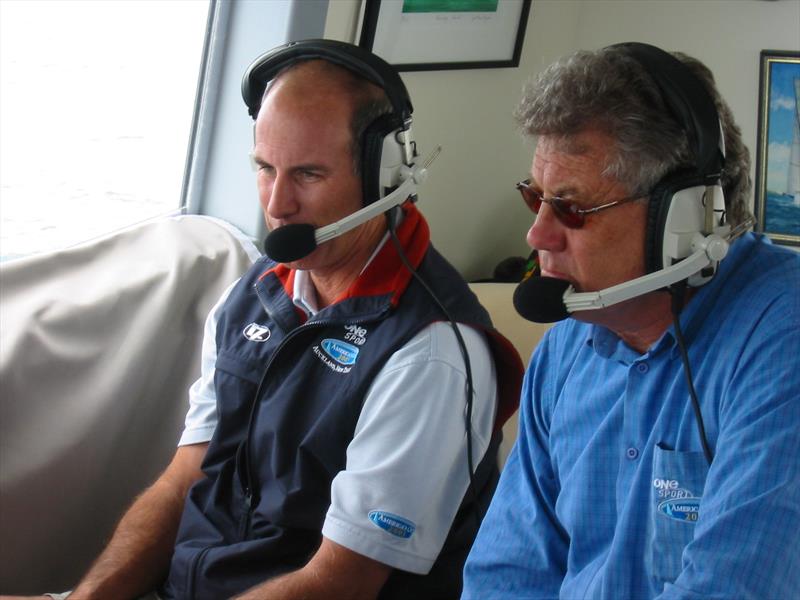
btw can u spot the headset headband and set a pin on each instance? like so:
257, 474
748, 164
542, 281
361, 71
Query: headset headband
362, 62
688, 100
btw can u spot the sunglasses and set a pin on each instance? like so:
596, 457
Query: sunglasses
566, 211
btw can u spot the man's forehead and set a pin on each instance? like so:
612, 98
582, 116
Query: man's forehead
576, 144
571, 162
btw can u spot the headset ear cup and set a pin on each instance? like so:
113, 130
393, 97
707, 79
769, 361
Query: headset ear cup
371, 155
652, 238
658, 212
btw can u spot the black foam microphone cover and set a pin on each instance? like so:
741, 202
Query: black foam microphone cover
290, 242
541, 299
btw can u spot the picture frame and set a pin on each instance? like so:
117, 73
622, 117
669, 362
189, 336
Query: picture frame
777, 196
432, 35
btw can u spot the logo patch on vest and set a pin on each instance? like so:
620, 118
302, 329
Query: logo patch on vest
256, 333
355, 334
342, 352
397, 526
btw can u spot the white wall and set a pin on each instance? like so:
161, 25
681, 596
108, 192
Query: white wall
220, 180
475, 215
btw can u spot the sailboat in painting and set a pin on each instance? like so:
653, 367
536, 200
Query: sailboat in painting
793, 183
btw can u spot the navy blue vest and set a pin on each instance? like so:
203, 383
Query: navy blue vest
289, 395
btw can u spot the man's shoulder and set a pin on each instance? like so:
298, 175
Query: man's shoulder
761, 274
437, 264
756, 257
450, 288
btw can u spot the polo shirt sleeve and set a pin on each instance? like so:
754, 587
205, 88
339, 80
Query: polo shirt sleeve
406, 467
521, 546
201, 419
745, 541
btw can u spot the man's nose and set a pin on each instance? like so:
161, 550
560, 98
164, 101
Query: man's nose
280, 199
547, 232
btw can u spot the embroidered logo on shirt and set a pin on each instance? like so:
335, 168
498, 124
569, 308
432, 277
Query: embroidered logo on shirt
256, 333
685, 509
675, 502
355, 334
397, 526
342, 352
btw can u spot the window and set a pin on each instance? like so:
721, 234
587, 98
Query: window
96, 104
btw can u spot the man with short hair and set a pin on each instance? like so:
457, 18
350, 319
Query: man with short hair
637, 474
325, 453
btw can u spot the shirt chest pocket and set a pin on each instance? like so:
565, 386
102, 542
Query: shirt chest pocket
678, 479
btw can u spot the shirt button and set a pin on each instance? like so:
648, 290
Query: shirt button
642, 367
632, 453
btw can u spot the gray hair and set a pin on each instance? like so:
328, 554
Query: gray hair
610, 91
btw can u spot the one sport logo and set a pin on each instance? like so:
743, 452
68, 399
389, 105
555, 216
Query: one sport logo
675, 502
256, 333
355, 334
670, 488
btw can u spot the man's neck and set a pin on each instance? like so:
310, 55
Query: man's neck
639, 322
333, 282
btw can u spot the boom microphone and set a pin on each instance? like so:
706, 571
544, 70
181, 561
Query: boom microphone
539, 299
297, 240
290, 242
547, 299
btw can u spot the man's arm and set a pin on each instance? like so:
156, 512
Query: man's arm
408, 458
137, 557
521, 546
333, 572
745, 541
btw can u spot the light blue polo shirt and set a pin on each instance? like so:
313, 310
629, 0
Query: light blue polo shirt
607, 493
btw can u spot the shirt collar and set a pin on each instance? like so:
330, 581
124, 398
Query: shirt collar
304, 293
608, 345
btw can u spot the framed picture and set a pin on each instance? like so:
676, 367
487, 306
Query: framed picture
777, 199
429, 35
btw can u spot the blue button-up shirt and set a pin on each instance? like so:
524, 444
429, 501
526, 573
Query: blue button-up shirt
607, 493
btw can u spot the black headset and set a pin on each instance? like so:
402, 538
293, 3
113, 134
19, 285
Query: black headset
386, 145
678, 202
676, 209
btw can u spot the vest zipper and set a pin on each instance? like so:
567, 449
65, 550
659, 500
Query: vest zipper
244, 522
246, 477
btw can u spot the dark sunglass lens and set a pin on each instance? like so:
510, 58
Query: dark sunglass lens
532, 199
567, 213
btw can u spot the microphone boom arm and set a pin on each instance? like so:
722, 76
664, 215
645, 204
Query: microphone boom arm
710, 249
413, 177
328, 232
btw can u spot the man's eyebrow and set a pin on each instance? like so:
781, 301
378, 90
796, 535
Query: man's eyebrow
296, 168
310, 167
565, 190
260, 162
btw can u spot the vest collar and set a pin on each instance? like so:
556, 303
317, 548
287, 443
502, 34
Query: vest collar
385, 273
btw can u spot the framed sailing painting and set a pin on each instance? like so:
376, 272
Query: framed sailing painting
777, 199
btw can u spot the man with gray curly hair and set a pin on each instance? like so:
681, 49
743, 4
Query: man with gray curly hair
659, 435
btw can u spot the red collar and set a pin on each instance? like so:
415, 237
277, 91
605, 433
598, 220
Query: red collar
386, 273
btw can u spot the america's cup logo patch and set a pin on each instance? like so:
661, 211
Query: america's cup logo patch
342, 352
